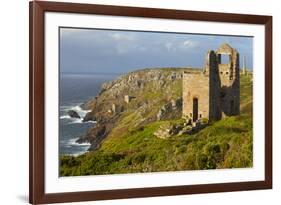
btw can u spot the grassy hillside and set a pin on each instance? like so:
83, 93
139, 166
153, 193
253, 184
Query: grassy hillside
132, 147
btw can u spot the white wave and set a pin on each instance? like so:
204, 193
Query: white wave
79, 121
76, 120
91, 121
81, 112
83, 147
72, 142
65, 117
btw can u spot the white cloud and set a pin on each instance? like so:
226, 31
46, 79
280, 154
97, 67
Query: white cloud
123, 42
189, 44
123, 37
168, 46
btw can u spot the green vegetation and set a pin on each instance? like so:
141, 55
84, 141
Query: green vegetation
132, 147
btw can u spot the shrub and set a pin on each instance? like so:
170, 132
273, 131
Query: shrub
201, 161
69, 161
139, 158
180, 149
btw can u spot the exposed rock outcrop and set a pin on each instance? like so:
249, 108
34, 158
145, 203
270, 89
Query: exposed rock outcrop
73, 114
170, 110
167, 131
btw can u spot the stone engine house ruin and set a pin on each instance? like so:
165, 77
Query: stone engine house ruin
213, 92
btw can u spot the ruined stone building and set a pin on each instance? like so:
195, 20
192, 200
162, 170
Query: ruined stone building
214, 91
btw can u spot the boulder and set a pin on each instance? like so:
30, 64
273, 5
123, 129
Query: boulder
167, 131
89, 117
73, 114
185, 130
163, 133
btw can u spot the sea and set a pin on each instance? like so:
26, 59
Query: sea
76, 89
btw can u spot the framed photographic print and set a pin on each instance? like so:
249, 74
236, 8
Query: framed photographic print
139, 102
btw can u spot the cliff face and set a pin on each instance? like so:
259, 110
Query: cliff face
134, 100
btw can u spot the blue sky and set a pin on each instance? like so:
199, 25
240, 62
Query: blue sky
112, 51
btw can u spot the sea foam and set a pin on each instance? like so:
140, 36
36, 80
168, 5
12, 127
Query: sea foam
73, 142
82, 113
65, 117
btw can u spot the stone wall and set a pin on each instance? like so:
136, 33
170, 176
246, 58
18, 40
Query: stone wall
215, 85
230, 81
213, 92
196, 86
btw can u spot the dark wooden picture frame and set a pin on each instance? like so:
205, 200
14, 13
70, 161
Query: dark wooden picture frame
37, 96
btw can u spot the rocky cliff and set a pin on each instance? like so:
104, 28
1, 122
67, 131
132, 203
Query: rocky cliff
134, 100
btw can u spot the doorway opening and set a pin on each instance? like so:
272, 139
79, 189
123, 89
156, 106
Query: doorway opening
195, 109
